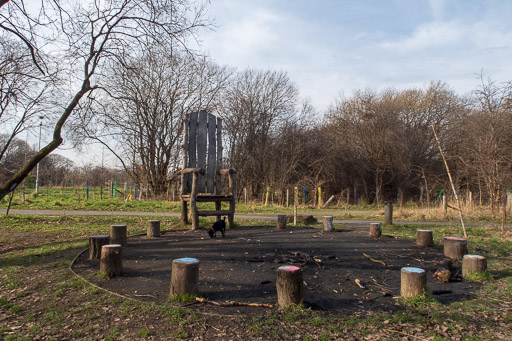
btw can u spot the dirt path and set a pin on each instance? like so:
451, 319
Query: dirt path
237, 216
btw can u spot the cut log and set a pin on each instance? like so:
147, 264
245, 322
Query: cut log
328, 227
289, 285
304, 218
413, 282
118, 234
424, 238
95, 244
455, 248
184, 277
375, 230
111, 262
281, 221
153, 229
473, 264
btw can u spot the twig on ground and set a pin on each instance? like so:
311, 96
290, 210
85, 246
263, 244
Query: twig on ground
373, 259
234, 303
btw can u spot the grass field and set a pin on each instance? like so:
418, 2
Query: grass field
41, 299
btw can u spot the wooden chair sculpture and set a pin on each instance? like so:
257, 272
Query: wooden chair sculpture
201, 175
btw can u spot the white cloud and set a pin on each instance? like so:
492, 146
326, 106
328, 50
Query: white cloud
436, 34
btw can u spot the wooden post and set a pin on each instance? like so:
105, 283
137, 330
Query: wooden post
424, 238
193, 205
281, 221
232, 185
455, 248
287, 197
118, 235
388, 213
320, 204
267, 194
473, 264
413, 282
95, 245
153, 229
289, 285
295, 206
111, 262
375, 230
327, 224
184, 277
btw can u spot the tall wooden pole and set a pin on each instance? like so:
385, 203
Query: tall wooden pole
451, 182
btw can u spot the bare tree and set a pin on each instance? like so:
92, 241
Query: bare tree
148, 97
257, 104
83, 40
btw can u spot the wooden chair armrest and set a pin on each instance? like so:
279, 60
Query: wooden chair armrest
193, 170
227, 171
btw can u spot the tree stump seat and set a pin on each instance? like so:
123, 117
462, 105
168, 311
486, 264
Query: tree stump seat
281, 221
95, 245
424, 238
118, 235
184, 277
289, 285
111, 262
413, 282
375, 230
473, 264
455, 248
327, 224
153, 229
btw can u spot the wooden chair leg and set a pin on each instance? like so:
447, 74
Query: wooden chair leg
184, 213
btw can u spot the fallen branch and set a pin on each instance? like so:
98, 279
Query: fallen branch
419, 260
373, 259
234, 303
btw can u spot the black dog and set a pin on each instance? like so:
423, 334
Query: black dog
219, 225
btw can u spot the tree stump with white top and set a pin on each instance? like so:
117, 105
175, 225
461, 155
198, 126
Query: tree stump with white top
424, 238
111, 262
473, 264
153, 229
118, 235
184, 277
289, 285
95, 245
413, 282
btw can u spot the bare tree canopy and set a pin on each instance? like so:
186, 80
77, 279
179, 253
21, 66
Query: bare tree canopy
77, 43
147, 98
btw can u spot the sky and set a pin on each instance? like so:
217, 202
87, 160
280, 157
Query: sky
330, 48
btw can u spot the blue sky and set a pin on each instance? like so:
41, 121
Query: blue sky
330, 48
